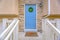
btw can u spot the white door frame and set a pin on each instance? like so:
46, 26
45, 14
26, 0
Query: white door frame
33, 30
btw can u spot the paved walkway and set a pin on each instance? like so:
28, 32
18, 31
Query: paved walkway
22, 36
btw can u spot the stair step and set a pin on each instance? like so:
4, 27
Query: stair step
30, 39
23, 37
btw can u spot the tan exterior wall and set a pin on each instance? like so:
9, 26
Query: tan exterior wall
55, 7
21, 13
8, 7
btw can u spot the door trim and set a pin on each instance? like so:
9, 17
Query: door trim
27, 30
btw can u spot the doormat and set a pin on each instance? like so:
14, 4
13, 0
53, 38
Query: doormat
31, 34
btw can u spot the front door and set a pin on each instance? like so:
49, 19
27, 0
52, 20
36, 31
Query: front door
30, 17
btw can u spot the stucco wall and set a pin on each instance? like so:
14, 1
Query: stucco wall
21, 13
8, 7
55, 7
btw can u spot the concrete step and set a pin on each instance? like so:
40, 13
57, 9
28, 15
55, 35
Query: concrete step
23, 37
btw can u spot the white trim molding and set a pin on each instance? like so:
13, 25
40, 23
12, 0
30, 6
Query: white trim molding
48, 8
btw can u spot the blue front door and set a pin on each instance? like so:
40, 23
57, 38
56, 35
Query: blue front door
30, 16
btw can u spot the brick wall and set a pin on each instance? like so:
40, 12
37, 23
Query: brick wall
21, 13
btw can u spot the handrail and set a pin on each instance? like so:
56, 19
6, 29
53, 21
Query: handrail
50, 32
55, 29
11, 31
6, 31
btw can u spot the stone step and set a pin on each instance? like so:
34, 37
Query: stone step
30, 39
23, 37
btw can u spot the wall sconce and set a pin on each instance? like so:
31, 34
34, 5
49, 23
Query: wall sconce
41, 6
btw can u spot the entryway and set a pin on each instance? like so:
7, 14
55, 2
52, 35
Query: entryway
30, 17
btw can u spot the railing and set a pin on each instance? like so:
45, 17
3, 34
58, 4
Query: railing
50, 32
11, 32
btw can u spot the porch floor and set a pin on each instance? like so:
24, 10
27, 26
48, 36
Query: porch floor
23, 37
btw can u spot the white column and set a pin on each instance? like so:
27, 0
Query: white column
15, 33
0, 26
58, 26
43, 29
11, 37
4, 25
47, 31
